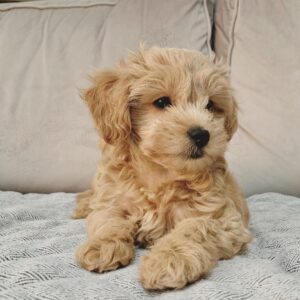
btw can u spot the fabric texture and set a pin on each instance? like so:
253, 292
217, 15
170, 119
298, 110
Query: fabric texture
260, 42
38, 239
48, 48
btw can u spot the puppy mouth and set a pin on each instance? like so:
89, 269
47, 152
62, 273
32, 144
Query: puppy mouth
195, 153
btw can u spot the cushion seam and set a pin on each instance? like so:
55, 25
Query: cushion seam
208, 29
232, 32
57, 7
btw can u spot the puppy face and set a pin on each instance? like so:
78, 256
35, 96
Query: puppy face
174, 105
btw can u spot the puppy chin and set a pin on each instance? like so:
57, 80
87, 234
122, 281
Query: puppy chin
192, 165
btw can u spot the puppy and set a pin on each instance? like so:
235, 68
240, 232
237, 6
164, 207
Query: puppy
165, 116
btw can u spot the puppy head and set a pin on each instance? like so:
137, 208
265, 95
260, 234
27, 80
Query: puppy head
173, 105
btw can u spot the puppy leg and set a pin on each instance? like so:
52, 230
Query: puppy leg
190, 250
82, 209
110, 241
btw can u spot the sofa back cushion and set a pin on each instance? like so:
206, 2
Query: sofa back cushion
260, 41
47, 139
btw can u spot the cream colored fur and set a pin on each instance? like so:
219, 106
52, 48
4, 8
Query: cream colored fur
147, 190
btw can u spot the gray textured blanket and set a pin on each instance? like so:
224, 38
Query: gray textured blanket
38, 238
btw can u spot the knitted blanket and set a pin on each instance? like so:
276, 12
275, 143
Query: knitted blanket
38, 239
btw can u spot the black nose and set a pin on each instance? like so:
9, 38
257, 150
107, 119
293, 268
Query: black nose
199, 136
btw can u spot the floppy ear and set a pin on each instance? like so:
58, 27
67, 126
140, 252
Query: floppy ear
231, 120
107, 100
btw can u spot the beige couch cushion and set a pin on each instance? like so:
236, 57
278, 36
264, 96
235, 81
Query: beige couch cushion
47, 139
260, 40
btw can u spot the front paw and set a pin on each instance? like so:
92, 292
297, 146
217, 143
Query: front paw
168, 269
104, 255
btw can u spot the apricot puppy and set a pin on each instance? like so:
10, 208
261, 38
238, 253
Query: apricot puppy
165, 116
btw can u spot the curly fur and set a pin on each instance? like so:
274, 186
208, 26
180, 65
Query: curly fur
147, 190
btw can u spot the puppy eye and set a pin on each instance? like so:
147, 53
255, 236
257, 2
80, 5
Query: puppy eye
162, 102
209, 105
